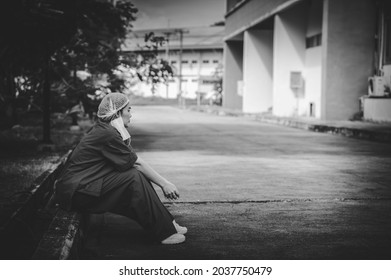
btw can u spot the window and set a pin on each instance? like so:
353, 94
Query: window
208, 82
205, 61
313, 41
215, 61
194, 61
185, 61
173, 62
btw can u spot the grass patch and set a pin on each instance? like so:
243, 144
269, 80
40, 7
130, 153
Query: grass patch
17, 174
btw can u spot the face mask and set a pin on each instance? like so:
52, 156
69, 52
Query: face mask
118, 124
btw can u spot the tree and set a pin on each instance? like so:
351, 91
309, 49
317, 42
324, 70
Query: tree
31, 31
50, 40
147, 64
95, 49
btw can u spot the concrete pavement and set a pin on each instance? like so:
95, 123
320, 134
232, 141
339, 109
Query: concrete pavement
252, 190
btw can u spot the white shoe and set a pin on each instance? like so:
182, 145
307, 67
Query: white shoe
179, 229
176, 238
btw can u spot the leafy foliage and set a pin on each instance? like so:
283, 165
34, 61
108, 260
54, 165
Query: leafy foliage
147, 64
73, 35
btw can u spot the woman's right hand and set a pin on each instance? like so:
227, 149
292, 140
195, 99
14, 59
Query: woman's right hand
170, 191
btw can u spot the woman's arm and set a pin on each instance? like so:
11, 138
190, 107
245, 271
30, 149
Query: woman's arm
169, 189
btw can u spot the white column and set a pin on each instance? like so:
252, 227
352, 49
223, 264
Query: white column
257, 71
289, 55
233, 72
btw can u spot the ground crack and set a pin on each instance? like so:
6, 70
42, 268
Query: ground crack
342, 199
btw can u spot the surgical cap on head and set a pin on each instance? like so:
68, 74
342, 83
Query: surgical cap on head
111, 104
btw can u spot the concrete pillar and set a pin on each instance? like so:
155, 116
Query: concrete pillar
289, 56
347, 59
258, 71
233, 72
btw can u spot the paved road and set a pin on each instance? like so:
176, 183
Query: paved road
257, 191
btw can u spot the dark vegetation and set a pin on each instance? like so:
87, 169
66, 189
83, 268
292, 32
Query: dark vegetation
44, 46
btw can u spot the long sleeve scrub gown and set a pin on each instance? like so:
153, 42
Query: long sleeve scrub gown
100, 177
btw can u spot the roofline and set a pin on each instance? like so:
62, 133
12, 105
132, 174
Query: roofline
235, 7
162, 30
277, 10
177, 48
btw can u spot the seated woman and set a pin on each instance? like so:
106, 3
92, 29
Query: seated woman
104, 174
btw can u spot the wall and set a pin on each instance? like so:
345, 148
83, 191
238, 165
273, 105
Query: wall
289, 55
387, 74
347, 58
377, 109
191, 72
312, 82
315, 18
233, 72
258, 71
313, 63
144, 89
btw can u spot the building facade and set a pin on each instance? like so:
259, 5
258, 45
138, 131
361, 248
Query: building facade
197, 60
308, 58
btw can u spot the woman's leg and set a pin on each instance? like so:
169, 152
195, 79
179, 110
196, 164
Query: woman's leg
130, 194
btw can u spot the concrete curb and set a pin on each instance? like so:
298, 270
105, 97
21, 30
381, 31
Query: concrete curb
63, 238
358, 133
372, 134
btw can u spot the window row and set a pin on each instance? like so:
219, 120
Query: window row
195, 61
187, 80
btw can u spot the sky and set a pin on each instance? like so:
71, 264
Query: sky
178, 13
